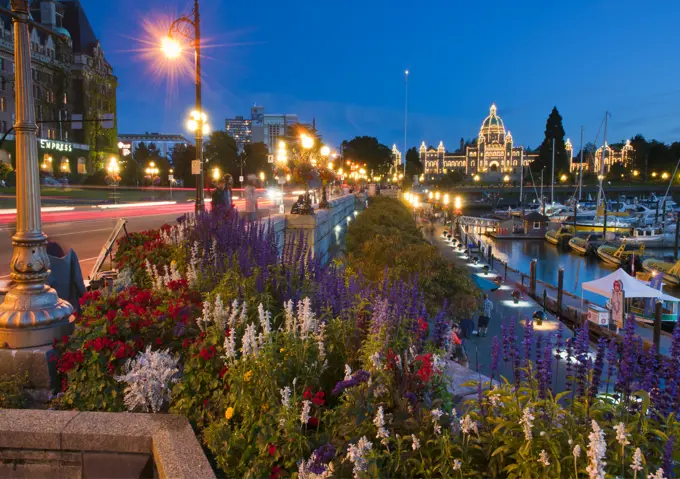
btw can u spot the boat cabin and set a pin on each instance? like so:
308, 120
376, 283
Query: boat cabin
535, 224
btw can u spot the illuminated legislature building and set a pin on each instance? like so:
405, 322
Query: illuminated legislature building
611, 156
495, 152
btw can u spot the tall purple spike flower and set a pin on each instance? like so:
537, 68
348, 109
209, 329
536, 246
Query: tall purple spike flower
668, 456
598, 367
495, 355
583, 361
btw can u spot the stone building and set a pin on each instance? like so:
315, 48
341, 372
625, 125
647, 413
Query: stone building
71, 76
623, 155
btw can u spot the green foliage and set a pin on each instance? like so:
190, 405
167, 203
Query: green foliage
385, 238
182, 156
12, 395
221, 151
553, 130
369, 151
5, 170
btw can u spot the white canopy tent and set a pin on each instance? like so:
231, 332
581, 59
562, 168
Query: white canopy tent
633, 288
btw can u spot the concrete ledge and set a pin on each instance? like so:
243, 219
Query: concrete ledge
168, 438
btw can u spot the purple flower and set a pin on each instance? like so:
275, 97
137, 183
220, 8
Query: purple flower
495, 353
598, 367
411, 398
668, 456
321, 458
359, 377
583, 361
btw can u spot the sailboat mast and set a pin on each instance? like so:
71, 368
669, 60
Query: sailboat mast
602, 160
580, 176
552, 180
521, 181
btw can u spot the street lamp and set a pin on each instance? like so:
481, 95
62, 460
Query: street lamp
563, 178
32, 314
113, 168
262, 177
664, 175
216, 174
476, 178
172, 50
307, 142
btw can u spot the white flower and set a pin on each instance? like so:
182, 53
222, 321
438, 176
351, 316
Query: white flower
306, 319
290, 316
379, 422
543, 458
231, 321
304, 415
495, 400
348, 372
467, 425
657, 475
637, 460
265, 320
436, 414
577, 451
356, 455
148, 378
438, 364
249, 346
597, 449
320, 338
244, 313
416, 442
621, 435
219, 312
527, 422
457, 464
376, 360
230, 346
285, 396
542, 433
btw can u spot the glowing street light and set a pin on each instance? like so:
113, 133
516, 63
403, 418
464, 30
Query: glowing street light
216, 173
171, 48
325, 151
563, 178
306, 141
476, 178
436, 196
664, 175
457, 203
189, 26
506, 178
446, 199
262, 177
653, 174
636, 172
430, 195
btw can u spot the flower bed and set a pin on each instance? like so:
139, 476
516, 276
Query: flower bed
287, 369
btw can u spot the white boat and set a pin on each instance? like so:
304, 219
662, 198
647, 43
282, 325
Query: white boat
651, 236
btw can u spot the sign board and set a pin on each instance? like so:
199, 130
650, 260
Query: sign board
617, 304
107, 248
55, 145
240, 179
196, 167
171, 178
597, 315
270, 158
76, 121
124, 148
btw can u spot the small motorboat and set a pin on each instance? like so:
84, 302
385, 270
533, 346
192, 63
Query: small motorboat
670, 271
613, 255
651, 236
561, 235
585, 244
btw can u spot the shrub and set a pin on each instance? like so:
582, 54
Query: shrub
12, 395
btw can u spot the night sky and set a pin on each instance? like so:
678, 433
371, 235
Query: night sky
342, 63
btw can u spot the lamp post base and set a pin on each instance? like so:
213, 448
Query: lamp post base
30, 318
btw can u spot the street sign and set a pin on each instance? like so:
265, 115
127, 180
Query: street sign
617, 304
240, 179
196, 167
170, 178
270, 158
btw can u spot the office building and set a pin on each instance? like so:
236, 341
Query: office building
240, 130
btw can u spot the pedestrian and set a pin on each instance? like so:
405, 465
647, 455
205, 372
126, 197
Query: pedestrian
251, 201
483, 321
296, 209
459, 354
218, 197
228, 185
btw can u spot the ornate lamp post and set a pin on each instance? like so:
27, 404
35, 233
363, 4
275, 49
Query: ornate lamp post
173, 49
113, 170
325, 153
31, 314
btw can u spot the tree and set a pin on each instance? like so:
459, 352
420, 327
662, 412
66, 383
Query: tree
553, 130
182, 156
130, 172
413, 165
254, 158
221, 151
368, 150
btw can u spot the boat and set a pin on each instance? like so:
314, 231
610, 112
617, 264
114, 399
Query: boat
613, 255
670, 272
561, 235
614, 225
585, 244
650, 236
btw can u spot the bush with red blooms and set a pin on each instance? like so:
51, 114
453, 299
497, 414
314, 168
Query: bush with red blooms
112, 329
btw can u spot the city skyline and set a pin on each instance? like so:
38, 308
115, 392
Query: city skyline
351, 79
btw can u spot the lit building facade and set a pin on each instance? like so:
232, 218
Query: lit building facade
163, 143
495, 152
240, 129
611, 156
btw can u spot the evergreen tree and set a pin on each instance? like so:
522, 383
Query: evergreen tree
553, 130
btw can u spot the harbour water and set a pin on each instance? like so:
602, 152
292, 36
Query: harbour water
577, 269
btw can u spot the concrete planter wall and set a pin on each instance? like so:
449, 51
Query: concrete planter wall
322, 232
72, 444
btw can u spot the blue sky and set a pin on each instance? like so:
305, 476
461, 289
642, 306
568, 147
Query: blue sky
342, 63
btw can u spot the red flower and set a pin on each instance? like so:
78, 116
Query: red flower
425, 370
276, 472
223, 371
423, 325
64, 339
159, 341
308, 393
319, 399
113, 330
313, 422
111, 314
272, 449
205, 403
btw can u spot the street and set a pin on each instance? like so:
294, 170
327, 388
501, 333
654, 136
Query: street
85, 230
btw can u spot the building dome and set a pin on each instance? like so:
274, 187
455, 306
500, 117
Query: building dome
493, 129
62, 31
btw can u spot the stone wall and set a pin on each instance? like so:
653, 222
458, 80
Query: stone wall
322, 232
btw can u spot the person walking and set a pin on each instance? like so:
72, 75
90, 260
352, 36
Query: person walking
485, 317
251, 201
218, 197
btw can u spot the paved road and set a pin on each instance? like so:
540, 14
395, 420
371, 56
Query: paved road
85, 230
